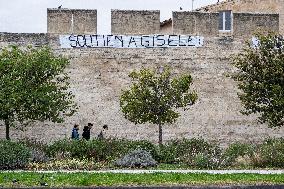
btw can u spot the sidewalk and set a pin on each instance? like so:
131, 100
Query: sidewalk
163, 171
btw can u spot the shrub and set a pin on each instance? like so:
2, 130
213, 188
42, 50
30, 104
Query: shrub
66, 164
136, 158
211, 159
184, 150
237, 150
37, 150
67, 147
270, 153
58, 147
143, 145
98, 150
38, 156
13, 155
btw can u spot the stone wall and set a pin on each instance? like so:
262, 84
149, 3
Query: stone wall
195, 23
246, 25
249, 6
66, 21
130, 22
98, 75
166, 27
281, 17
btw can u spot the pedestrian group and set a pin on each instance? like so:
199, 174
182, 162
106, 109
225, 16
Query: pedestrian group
87, 132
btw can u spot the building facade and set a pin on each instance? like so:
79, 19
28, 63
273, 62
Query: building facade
99, 74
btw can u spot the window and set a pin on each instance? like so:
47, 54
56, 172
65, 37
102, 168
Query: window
225, 21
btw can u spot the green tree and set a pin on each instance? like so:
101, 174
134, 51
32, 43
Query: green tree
261, 80
155, 96
33, 86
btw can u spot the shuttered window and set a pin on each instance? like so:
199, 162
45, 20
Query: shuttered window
225, 20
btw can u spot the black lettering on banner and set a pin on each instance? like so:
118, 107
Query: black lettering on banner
163, 41
82, 39
143, 41
171, 40
90, 39
108, 40
180, 42
96, 39
104, 40
73, 41
132, 40
119, 39
189, 41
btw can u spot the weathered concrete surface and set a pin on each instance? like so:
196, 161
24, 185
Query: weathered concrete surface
66, 21
244, 6
246, 25
99, 75
195, 23
132, 22
250, 6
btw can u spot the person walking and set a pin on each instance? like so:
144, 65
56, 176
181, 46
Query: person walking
87, 131
75, 133
102, 133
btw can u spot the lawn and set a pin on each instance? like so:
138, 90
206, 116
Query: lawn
28, 179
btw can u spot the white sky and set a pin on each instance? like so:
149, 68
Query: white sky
29, 16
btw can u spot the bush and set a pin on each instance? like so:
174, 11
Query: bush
208, 160
38, 156
136, 158
143, 145
66, 164
68, 148
237, 150
270, 154
98, 150
13, 155
183, 151
37, 148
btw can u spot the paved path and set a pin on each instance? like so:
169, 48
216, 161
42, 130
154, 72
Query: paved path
164, 171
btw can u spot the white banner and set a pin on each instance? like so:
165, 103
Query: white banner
123, 41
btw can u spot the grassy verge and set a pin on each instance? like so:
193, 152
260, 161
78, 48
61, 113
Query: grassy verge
26, 179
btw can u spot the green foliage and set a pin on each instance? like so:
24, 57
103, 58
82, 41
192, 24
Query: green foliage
184, 150
65, 164
236, 150
154, 97
83, 179
205, 161
98, 150
261, 79
136, 158
270, 153
209, 159
33, 86
13, 155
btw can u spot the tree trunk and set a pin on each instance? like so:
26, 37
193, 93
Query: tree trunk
160, 134
7, 124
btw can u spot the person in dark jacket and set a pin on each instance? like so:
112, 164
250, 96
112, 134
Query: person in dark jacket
87, 131
75, 133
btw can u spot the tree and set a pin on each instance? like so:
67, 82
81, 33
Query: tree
33, 86
261, 79
154, 97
